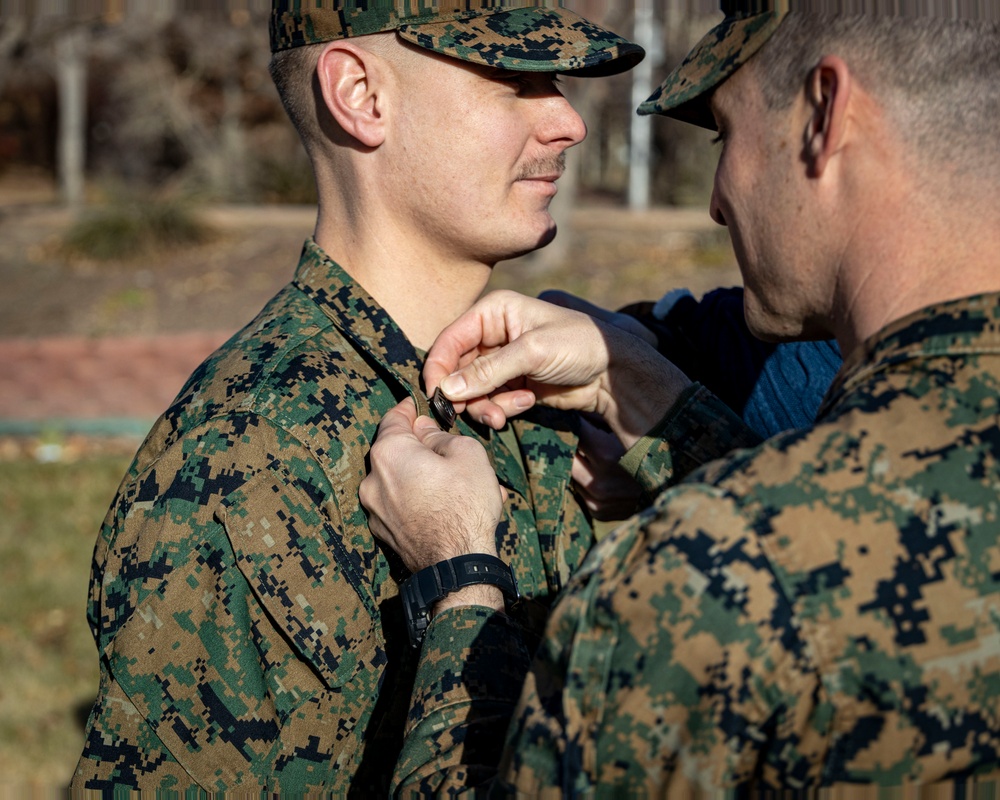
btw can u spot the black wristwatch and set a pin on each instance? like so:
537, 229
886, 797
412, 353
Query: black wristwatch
423, 589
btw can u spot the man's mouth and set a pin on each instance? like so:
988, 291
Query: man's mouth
546, 169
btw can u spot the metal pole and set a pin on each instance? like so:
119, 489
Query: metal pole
641, 134
72, 70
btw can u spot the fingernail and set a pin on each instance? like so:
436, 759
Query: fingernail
453, 384
423, 421
523, 402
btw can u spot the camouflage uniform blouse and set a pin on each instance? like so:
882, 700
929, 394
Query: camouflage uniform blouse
249, 628
822, 609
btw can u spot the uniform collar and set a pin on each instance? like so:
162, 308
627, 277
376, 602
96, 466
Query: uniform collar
356, 314
537, 464
953, 328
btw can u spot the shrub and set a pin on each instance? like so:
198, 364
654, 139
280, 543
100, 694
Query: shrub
284, 180
133, 227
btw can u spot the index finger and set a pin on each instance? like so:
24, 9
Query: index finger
490, 324
451, 347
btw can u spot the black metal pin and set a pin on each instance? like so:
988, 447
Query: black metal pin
443, 410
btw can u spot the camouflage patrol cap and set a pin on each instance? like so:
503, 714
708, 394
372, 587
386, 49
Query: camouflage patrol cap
522, 35
723, 50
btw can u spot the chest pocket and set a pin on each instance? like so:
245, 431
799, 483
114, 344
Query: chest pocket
297, 567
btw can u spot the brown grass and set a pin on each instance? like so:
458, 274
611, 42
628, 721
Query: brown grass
49, 516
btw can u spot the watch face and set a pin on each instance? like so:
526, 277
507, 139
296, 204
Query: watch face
417, 617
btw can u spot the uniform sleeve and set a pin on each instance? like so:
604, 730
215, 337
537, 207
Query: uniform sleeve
235, 630
472, 667
671, 661
456, 728
699, 428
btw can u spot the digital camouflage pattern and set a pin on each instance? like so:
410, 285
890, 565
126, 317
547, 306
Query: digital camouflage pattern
522, 35
248, 625
820, 611
685, 91
698, 429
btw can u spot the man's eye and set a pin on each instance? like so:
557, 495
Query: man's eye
508, 76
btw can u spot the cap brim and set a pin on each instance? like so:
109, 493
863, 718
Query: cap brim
529, 40
723, 50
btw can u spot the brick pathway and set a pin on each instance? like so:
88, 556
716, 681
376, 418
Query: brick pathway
121, 385
75, 382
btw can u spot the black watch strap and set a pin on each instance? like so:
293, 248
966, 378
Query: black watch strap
423, 589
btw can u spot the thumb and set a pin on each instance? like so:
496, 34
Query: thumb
430, 435
487, 373
399, 419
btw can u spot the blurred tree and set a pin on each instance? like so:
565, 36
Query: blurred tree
53, 40
12, 32
177, 95
682, 161
150, 93
184, 111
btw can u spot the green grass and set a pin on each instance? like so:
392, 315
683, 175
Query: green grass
49, 518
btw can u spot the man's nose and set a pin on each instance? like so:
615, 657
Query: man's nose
715, 207
562, 124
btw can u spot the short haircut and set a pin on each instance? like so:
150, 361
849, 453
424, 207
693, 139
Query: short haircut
294, 74
938, 78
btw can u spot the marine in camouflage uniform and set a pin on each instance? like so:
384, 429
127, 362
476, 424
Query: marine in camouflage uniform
249, 628
819, 611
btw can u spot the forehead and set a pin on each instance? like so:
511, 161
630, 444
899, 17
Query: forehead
735, 94
422, 71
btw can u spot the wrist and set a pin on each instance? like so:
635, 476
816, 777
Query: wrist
481, 595
460, 581
638, 389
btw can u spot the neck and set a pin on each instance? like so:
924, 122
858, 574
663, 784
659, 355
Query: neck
423, 291
927, 253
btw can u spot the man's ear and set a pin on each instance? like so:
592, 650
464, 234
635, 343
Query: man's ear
351, 80
828, 91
